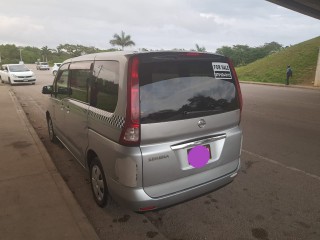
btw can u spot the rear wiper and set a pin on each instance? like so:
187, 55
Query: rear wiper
202, 111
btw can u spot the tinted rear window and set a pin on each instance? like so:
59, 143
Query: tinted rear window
176, 90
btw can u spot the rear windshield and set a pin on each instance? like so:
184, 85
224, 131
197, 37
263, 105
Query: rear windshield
177, 90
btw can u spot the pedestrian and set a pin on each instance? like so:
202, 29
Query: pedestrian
289, 74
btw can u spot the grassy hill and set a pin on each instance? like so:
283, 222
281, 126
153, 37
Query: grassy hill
301, 57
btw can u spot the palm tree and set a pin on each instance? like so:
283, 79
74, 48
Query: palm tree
45, 51
123, 40
200, 49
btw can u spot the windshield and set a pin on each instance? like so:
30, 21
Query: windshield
44, 63
177, 90
18, 68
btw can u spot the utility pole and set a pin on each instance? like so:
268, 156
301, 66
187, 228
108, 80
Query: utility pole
20, 49
317, 77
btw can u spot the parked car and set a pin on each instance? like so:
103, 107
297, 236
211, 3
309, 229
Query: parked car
55, 68
42, 66
153, 128
16, 74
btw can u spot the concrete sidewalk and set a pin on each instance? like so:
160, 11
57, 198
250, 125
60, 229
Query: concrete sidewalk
35, 202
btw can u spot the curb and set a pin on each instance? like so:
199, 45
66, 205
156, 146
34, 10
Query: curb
281, 85
80, 218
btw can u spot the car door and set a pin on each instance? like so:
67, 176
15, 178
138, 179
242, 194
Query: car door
189, 116
5, 75
76, 109
61, 93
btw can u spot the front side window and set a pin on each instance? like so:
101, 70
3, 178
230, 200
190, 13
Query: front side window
79, 79
105, 85
62, 85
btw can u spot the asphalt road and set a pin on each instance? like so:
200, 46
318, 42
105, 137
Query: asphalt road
275, 196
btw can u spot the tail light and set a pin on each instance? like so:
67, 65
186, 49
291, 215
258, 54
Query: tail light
130, 135
237, 84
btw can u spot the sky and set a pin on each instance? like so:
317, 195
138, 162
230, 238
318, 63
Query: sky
163, 24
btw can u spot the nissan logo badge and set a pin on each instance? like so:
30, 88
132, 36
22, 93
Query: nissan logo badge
201, 123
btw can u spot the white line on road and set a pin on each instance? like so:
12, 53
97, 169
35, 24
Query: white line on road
282, 165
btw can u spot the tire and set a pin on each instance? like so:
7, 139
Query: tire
98, 183
1, 80
52, 135
9, 81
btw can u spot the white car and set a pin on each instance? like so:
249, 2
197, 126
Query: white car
43, 66
55, 68
17, 74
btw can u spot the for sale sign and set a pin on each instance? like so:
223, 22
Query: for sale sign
221, 70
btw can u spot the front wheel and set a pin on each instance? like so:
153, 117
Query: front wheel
98, 183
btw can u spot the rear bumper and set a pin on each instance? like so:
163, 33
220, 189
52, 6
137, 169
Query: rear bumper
136, 198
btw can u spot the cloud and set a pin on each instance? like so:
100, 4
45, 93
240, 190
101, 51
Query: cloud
164, 24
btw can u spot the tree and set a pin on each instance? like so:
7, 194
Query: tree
243, 54
9, 53
272, 47
123, 40
45, 52
200, 49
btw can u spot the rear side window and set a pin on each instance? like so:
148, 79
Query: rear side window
105, 85
182, 89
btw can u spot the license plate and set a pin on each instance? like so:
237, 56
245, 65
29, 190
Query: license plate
206, 146
25, 80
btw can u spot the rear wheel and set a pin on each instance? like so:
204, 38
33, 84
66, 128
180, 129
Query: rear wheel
52, 135
98, 183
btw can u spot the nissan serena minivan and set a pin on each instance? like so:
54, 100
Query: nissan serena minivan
153, 128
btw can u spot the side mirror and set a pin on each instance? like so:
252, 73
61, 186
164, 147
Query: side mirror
47, 89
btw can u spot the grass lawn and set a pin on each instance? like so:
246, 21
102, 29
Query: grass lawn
301, 57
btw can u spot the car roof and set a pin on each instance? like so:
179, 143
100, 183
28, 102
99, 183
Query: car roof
120, 54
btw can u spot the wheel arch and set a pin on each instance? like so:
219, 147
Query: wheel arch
91, 154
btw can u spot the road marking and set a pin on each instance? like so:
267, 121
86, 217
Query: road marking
282, 165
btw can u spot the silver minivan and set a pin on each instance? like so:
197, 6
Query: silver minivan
153, 128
